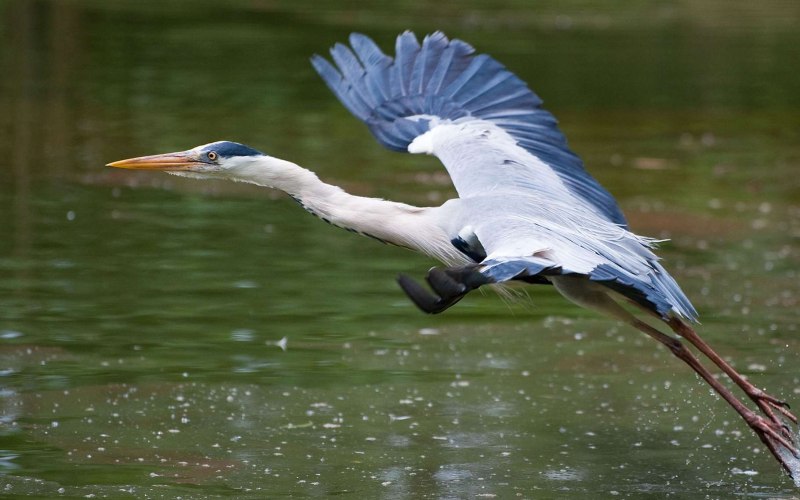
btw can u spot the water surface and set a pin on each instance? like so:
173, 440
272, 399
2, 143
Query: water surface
142, 316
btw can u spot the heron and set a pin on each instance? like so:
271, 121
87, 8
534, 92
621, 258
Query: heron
527, 210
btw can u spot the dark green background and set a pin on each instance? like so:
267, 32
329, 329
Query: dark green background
139, 312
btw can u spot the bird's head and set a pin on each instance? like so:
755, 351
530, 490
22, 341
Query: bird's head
215, 160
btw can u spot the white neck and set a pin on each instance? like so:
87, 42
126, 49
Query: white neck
391, 222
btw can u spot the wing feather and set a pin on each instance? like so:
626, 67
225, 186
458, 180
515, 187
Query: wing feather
427, 63
444, 79
352, 70
406, 51
379, 63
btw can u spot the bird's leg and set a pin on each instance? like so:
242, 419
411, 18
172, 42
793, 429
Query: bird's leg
450, 285
772, 435
767, 403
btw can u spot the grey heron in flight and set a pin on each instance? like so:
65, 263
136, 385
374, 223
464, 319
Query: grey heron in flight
526, 211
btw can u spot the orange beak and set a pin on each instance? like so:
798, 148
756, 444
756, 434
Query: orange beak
183, 160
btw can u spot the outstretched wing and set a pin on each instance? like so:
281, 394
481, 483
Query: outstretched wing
500, 147
481, 120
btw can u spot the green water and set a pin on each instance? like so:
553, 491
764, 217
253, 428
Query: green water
140, 314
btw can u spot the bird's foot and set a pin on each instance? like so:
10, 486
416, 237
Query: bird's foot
761, 398
778, 440
766, 428
449, 284
775, 409
425, 300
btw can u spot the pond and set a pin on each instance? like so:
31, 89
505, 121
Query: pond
164, 337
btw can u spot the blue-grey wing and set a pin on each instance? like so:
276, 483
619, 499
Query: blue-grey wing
557, 238
654, 290
442, 84
532, 236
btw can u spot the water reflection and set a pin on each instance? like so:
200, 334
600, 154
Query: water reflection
142, 317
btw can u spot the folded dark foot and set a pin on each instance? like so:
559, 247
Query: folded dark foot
448, 284
424, 299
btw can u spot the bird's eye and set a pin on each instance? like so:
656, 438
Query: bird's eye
212, 155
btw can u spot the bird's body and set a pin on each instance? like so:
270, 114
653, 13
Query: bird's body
527, 210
